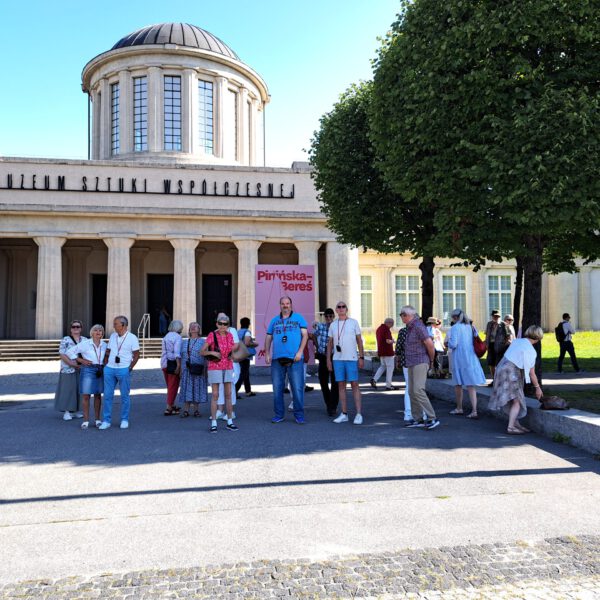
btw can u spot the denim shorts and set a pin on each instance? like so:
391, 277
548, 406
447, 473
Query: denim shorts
345, 370
218, 376
89, 383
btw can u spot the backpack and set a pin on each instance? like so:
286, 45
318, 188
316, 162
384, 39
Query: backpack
559, 332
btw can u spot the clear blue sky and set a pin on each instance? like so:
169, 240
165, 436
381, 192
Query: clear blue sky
307, 52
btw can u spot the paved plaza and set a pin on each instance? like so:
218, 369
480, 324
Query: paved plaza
166, 510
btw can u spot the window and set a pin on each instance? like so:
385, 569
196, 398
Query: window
499, 293
172, 112
407, 291
114, 118
140, 114
366, 301
454, 295
205, 116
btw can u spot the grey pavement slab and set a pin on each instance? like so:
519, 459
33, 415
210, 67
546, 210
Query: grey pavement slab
166, 494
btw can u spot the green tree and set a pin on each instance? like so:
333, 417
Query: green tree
360, 207
488, 112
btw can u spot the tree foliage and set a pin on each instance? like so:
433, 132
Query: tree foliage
488, 112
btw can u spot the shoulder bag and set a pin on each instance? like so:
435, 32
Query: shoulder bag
478, 345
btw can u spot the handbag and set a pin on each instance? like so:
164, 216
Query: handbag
194, 368
171, 366
216, 348
478, 345
553, 403
241, 353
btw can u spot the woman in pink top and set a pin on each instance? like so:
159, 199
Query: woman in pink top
217, 349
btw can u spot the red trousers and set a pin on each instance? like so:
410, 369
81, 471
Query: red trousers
172, 382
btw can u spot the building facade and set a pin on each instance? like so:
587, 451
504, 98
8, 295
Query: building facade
176, 207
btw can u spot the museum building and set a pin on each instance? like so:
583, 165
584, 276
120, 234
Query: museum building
176, 207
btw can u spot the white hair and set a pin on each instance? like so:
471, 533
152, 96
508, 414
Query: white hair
176, 326
408, 310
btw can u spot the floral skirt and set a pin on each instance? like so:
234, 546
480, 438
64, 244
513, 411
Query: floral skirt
508, 385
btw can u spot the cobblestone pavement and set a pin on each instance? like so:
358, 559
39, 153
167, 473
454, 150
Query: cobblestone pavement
552, 569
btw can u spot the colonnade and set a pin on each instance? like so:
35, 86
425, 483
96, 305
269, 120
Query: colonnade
342, 277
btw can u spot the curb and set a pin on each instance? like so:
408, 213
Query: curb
574, 427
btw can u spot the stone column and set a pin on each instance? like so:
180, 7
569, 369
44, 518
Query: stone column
219, 117
96, 110
343, 278
118, 287
184, 280
585, 298
105, 120
243, 127
125, 111
252, 137
155, 110
247, 261
189, 116
308, 254
49, 304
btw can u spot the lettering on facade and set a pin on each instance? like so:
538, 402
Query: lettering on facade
134, 185
291, 281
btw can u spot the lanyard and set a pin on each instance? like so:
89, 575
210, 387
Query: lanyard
119, 346
338, 328
284, 321
99, 353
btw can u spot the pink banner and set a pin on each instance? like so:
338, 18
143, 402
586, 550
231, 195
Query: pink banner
273, 282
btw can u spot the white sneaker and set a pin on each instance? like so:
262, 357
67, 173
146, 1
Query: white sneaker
291, 405
67, 416
104, 425
341, 418
85, 425
98, 423
124, 425
79, 415
358, 419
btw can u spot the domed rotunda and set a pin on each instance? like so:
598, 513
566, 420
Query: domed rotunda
175, 92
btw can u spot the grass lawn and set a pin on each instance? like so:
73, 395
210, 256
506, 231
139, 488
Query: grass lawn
588, 400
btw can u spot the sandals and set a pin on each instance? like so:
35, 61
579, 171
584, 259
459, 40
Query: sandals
184, 414
473, 415
171, 410
197, 413
456, 411
85, 425
514, 431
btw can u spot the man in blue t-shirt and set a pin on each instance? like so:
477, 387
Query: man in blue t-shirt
288, 334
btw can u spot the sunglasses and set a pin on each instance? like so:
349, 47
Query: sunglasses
75, 326
341, 306
223, 323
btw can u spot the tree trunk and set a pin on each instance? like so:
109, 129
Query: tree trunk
518, 294
532, 298
426, 268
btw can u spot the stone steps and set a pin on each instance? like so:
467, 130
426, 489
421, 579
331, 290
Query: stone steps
48, 349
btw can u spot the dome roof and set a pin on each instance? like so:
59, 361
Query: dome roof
181, 34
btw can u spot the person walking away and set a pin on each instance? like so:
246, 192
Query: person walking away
419, 352
170, 363
344, 340
564, 335
385, 352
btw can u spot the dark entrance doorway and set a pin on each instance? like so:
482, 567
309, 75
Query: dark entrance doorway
99, 302
216, 297
160, 293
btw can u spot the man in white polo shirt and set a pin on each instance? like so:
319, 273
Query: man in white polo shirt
121, 356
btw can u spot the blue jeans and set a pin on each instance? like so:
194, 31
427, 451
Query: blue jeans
111, 378
295, 373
